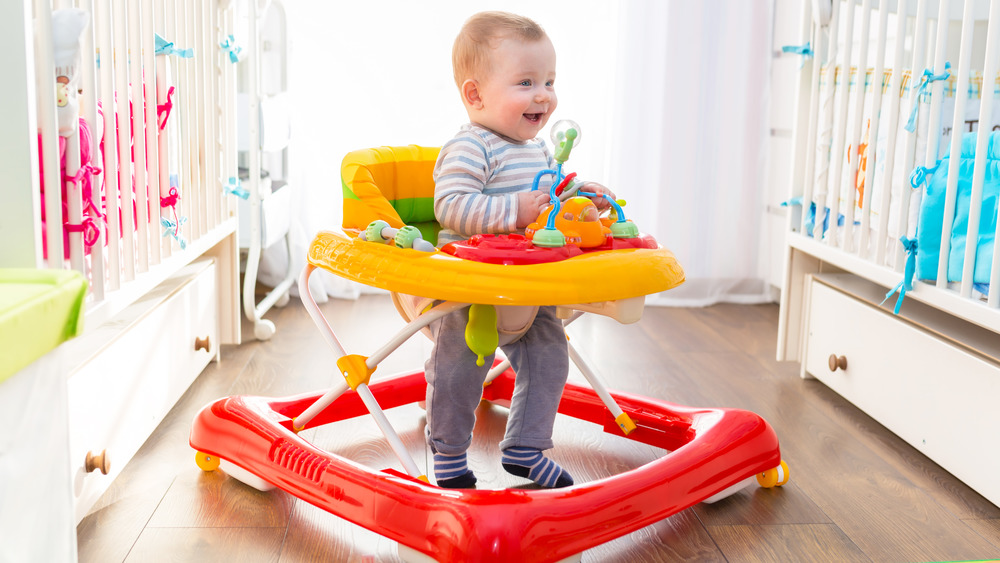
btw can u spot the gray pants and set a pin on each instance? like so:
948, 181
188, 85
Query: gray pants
455, 383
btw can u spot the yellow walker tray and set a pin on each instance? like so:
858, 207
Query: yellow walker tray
592, 277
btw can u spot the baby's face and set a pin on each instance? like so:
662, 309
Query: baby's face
519, 94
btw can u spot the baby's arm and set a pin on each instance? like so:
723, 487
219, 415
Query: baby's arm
460, 177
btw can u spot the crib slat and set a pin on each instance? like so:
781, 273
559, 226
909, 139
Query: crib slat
895, 89
840, 132
961, 95
89, 76
185, 26
198, 206
177, 160
72, 204
855, 127
46, 83
214, 142
185, 87
878, 79
124, 125
212, 62
825, 124
230, 166
150, 138
933, 136
103, 30
990, 68
174, 28
920, 30
800, 124
227, 118
138, 139
819, 42
201, 100
164, 26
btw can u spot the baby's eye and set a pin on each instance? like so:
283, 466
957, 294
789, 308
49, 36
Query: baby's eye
550, 83
525, 82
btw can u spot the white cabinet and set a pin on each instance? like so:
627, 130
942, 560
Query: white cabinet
36, 501
141, 364
925, 376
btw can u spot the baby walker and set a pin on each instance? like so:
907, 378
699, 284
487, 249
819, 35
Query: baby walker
572, 258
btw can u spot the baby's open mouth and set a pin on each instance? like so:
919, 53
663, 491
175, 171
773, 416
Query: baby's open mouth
533, 117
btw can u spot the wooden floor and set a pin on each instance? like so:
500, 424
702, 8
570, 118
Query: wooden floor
857, 493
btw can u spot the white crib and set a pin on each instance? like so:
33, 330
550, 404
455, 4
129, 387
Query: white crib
157, 242
929, 371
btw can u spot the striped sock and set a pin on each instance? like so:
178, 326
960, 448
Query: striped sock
452, 472
530, 463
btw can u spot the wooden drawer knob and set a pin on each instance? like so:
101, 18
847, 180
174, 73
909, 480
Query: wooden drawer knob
202, 344
100, 461
837, 362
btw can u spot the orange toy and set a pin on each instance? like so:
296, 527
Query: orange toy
579, 222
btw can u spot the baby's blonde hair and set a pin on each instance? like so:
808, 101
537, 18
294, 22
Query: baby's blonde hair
470, 56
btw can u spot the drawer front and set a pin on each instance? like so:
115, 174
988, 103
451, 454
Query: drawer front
118, 398
941, 399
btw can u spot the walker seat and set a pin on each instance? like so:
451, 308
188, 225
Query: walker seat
712, 452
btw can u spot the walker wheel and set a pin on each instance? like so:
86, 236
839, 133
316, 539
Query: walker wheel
774, 477
206, 462
264, 330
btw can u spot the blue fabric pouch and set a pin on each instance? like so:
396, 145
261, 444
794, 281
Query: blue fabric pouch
932, 214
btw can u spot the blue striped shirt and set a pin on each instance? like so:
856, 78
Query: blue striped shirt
477, 177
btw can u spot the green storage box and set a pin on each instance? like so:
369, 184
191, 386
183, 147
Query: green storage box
39, 310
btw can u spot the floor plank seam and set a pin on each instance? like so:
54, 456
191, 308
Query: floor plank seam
994, 540
152, 513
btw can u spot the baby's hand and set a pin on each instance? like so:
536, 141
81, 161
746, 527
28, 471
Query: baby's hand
599, 200
529, 205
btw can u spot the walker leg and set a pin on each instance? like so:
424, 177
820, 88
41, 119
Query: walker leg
496, 370
320, 405
390, 434
315, 314
338, 349
624, 421
412, 328
371, 363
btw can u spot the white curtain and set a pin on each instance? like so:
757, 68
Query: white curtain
690, 139
671, 98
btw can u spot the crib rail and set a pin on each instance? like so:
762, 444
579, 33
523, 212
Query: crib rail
154, 193
892, 87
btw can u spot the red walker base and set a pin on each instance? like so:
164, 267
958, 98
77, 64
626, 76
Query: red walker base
711, 450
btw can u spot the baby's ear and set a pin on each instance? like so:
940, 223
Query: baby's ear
470, 94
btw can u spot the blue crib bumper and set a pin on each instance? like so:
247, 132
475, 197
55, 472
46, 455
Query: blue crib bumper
931, 217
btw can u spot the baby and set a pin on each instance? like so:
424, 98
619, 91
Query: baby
505, 69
